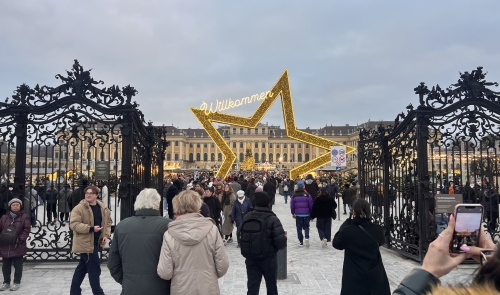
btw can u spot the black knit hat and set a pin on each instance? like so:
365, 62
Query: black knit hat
262, 199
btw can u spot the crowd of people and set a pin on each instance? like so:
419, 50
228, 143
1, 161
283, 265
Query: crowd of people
183, 251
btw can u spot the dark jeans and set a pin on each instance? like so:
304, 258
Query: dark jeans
51, 212
33, 217
89, 264
256, 269
64, 216
7, 269
302, 223
285, 195
324, 226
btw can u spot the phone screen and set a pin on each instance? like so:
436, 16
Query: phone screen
467, 227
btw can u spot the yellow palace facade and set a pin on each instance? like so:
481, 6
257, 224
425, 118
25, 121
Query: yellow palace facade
193, 148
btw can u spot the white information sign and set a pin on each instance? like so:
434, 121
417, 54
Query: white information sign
338, 156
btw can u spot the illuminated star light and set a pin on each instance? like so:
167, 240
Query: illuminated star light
281, 88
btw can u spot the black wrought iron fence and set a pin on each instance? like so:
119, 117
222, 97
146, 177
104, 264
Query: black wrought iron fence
448, 144
56, 140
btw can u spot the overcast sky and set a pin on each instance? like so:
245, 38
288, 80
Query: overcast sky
348, 61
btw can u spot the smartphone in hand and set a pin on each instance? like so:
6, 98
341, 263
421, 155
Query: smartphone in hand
468, 219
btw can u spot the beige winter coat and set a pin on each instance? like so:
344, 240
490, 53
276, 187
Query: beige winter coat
193, 256
227, 226
82, 219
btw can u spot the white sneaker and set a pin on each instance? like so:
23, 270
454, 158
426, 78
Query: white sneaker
324, 243
225, 241
15, 287
307, 243
4, 287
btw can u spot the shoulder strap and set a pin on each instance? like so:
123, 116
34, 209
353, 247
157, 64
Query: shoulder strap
368, 234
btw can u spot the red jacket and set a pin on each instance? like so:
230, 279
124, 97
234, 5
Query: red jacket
23, 228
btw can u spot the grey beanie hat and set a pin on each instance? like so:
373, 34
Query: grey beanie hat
15, 200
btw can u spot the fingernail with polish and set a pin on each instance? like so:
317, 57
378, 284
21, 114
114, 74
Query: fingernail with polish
465, 248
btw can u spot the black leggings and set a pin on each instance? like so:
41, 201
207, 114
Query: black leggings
64, 216
230, 236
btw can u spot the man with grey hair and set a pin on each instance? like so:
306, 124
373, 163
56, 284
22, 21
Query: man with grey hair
135, 250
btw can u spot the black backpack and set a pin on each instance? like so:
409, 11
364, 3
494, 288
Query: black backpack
253, 237
9, 235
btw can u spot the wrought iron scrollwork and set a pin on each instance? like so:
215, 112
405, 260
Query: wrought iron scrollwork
448, 144
50, 132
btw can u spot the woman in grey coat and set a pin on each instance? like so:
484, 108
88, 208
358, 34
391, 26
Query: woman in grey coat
62, 203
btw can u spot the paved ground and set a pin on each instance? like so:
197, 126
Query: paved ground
311, 270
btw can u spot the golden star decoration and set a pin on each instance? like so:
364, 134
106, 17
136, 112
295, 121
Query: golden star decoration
281, 88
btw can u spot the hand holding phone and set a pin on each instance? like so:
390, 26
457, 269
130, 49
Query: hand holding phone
468, 219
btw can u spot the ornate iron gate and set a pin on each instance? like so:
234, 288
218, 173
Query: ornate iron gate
450, 140
54, 140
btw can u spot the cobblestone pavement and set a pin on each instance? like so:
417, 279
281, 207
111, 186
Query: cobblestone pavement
312, 270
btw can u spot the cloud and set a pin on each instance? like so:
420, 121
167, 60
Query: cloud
347, 62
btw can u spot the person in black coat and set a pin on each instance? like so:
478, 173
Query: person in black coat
173, 190
324, 209
348, 197
311, 186
78, 194
250, 191
276, 237
51, 201
213, 204
270, 189
361, 239
244, 185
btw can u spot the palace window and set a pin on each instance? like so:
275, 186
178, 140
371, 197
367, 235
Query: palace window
198, 157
